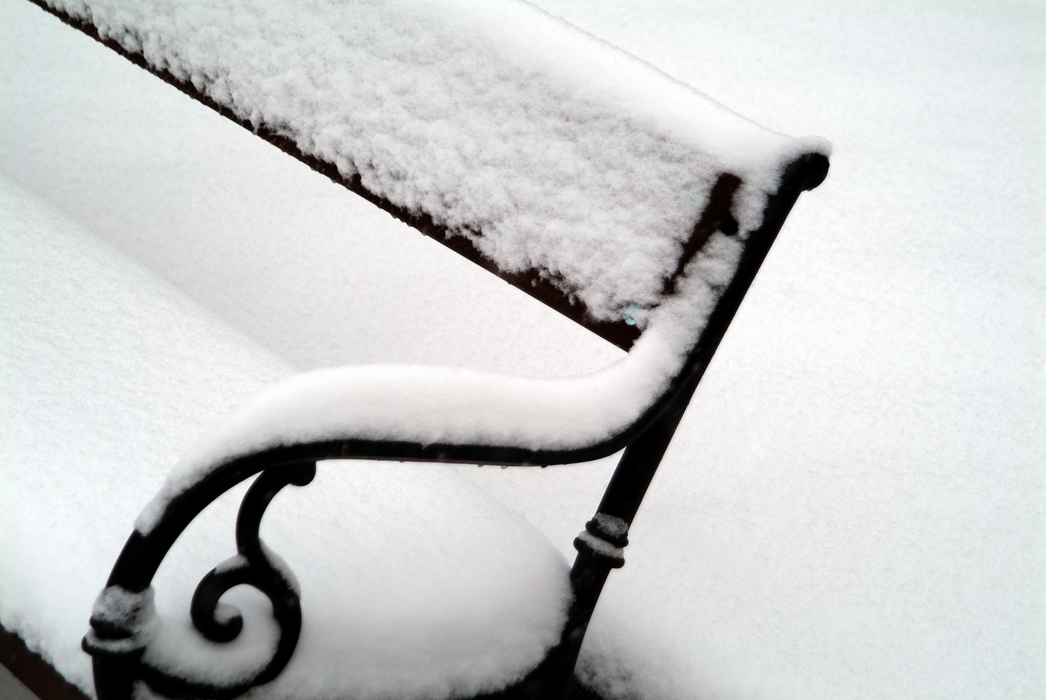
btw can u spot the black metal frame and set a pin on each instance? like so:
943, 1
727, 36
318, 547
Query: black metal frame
116, 642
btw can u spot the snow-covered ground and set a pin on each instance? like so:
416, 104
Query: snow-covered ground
854, 503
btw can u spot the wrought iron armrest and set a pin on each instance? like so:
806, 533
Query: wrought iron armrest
117, 639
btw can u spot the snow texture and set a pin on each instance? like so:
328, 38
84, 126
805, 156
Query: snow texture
398, 597
550, 150
125, 610
853, 506
602, 547
612, 526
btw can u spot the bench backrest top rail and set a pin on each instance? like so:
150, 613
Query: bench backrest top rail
573, 170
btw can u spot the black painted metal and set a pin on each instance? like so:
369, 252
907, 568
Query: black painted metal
118, 654
254, 566
638, 464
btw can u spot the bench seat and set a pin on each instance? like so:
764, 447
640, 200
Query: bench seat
122, 351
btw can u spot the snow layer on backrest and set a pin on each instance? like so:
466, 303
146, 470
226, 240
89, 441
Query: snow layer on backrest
549, 149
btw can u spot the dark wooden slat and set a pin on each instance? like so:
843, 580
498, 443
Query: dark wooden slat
715, 217
544, 287
35, 673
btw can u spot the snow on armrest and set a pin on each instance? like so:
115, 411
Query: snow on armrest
447, 406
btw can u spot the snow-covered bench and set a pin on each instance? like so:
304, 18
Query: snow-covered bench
621, 198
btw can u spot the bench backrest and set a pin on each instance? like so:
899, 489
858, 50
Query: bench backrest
578, 173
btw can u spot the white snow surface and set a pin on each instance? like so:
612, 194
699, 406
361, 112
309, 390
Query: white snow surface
549, 149
416, 583
853, 506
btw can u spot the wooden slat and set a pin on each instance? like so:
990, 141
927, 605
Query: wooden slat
537, 283
35, 673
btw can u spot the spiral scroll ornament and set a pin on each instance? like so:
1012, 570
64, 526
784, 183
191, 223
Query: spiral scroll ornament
124, 619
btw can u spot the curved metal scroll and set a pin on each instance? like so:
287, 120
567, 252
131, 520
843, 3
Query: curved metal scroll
123, 620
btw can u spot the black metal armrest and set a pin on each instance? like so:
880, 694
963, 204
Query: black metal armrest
117, 641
